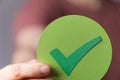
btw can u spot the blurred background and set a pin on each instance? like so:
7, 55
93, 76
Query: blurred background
7, 11
8, 8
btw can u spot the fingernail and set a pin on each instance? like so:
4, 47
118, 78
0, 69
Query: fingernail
44, 69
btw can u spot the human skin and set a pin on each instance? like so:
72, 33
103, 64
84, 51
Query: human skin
24, 71
34, 15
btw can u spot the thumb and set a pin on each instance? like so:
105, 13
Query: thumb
25, 71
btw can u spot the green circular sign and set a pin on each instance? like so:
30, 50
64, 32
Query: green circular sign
76, 48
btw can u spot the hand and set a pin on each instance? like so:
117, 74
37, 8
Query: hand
25, 71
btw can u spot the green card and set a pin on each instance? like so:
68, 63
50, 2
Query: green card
76, 48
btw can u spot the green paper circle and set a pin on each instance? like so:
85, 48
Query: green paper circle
67, 34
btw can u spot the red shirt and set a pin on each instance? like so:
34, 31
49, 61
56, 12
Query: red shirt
108, 16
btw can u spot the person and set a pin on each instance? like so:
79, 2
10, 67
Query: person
35, 15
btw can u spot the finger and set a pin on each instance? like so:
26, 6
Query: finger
26, 71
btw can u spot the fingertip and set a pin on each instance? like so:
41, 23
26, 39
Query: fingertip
45, 70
